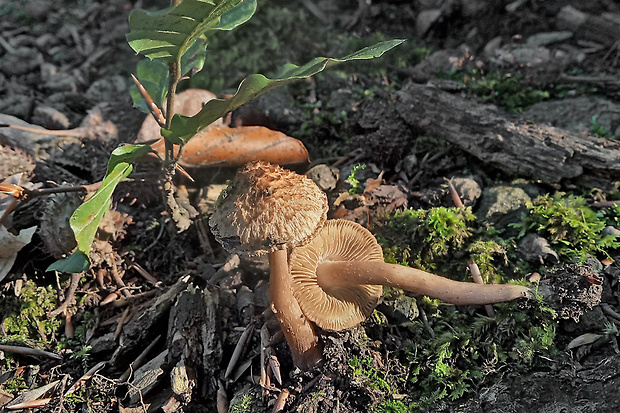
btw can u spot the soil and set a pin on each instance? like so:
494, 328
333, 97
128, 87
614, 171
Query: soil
66, 65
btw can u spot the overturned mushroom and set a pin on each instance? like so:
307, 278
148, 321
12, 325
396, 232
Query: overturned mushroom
337, 278
267, 210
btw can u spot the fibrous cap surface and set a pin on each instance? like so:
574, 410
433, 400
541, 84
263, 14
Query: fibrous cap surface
267, 207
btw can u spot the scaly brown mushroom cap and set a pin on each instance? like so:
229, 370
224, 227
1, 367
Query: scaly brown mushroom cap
267, 207
266, 210
339, 307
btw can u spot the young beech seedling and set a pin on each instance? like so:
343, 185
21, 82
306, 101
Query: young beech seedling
337, 278
268, 210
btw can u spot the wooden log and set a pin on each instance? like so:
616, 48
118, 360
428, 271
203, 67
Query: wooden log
602, 29
537, 151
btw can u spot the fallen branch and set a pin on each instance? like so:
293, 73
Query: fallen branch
511, 144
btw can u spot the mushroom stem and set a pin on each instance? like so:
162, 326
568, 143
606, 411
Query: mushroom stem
334, 274
299, 333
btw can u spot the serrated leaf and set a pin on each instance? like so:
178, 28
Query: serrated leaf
85, 220
169, 33
253, 86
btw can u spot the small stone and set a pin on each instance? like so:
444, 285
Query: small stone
547, 38
326, 177
501, 205
22, 61
522, 55
107, 89
426, 19
468, 189
610, 230
535, 248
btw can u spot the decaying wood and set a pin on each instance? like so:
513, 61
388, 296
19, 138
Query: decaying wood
604, 29
193, 341
139, 328
513, 145
147, 377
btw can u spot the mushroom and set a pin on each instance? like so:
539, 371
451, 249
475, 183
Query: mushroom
268, 210
338, 278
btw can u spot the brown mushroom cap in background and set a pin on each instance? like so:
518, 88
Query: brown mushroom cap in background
267, 207
339, 307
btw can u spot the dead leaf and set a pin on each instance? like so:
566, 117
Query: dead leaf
220, 145
224, 146
10, 245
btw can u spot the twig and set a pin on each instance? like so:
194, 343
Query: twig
204, 239
312, 382
138, 361
281, 401
117, 278
31, 404
264, 342
9, 209
69, 331
456, 199
85, 377
222, 398
68, 133
69, 296
144, 273
610, 311
29, 351
477, 277
274, 364
153, 108
426, 323
604, 204
247, 333
7, 46
121, 322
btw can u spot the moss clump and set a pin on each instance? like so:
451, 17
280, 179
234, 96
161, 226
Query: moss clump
505, 90
25, 317
366, 372
426, 236
243, 402
573, 228
467, 352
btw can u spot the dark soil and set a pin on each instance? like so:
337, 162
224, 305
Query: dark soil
66, 65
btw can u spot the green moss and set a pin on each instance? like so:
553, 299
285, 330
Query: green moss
365, 370
599, 130
392, 406
485, 253
570, 225
468, 352
25, 317
427, 236
503, 89
242, 404
353, 181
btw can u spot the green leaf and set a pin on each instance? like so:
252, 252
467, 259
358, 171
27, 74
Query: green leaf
253, 86
169, 33
85, 220
76, 262
154, 75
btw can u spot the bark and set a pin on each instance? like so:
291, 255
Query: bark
513, 145
602, 29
